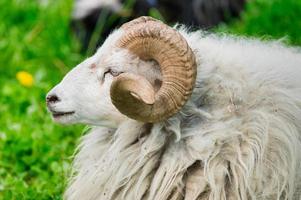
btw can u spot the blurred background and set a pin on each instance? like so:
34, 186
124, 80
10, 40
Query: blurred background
41, 40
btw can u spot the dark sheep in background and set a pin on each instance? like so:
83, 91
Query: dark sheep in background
112, 13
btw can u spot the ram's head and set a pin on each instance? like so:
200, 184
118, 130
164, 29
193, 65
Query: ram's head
145, 71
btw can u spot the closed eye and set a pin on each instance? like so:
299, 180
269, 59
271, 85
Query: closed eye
112, 72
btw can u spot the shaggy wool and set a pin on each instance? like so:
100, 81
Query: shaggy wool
237, 138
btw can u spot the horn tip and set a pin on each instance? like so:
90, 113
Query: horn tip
148, 99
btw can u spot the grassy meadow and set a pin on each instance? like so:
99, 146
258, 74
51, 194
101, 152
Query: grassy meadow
37, 49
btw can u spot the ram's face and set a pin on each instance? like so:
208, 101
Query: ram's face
83, 96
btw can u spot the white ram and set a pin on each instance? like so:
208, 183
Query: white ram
179, 115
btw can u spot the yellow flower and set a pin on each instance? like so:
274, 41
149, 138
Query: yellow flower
25, 78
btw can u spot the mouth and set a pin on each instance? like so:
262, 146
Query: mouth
61, 114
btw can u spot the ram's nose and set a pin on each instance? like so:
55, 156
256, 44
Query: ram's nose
52, 99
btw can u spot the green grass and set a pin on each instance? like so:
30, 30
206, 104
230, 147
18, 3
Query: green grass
35, 153
269, 19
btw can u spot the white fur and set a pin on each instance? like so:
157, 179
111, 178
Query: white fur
237, 137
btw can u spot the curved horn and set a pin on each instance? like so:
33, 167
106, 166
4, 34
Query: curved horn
132, 94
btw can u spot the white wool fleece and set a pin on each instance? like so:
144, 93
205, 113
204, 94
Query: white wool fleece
238, 137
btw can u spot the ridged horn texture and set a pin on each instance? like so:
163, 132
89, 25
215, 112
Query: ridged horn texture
132, 94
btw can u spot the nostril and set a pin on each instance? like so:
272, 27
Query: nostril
52, 99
